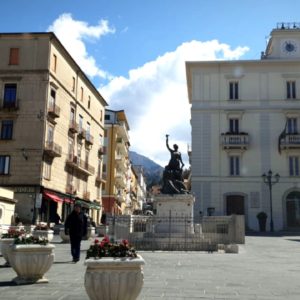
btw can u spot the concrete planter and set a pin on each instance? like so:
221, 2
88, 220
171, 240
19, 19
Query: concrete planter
114, 278
48, 234
90, 233
65, 238
31, 262
5, 243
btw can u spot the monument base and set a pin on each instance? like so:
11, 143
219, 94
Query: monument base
174, 213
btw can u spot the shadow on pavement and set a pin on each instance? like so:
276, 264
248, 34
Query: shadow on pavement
7, 283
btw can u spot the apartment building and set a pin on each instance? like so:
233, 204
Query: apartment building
52, 128
141, 185
115, 162
245, 122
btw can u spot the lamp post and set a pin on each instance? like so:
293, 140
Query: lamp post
270, 180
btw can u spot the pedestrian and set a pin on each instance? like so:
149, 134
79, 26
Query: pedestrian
76, 228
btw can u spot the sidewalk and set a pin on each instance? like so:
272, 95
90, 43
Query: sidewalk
267, 267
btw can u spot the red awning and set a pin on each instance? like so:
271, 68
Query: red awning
53, 197
68, 200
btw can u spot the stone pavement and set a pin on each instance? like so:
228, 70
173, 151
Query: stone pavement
267, 267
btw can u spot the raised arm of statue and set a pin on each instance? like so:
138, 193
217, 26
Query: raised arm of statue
167, 143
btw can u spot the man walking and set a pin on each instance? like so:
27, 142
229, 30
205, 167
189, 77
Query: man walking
76, 227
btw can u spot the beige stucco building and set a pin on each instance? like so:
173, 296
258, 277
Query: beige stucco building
52, 128
7, 207
245, 122
116, 162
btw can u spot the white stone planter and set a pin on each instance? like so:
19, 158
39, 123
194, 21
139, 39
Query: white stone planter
114, 278
31, 262
90, 233
48, 234
5, 243
65, 238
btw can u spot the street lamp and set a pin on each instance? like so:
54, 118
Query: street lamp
270, 180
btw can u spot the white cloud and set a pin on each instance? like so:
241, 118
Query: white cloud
72, 34
154, 97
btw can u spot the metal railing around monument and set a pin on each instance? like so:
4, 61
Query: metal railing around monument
174, 233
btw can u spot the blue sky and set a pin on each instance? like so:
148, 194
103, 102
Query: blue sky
134, 50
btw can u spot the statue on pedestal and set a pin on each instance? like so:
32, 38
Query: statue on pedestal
172, 176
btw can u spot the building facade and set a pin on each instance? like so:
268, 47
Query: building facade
52, 128
245, 122
116, 162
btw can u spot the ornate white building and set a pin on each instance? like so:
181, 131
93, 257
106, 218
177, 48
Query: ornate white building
245, 122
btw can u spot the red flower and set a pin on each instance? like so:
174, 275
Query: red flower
96, 241
125, 242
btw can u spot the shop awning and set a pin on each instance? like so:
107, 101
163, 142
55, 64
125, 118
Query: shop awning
68, 200
90, 205
53, 197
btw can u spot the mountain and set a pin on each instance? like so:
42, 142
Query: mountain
152, 170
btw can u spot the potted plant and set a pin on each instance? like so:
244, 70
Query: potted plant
6, 240
31, 257
262, 221
114, 271
43, 230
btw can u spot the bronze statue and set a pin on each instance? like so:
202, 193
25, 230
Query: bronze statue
172, 176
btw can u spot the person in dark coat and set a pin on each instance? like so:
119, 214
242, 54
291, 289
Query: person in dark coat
76, 227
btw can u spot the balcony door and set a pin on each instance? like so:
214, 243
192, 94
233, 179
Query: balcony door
235, 205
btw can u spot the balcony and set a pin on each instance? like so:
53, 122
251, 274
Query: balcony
86, 195
121, 162
100, 178
89, 139
290, 141
52, 149
53, 111
9, 105
80, 165
70, 189
81, 133
73, 126
101, 150
235, 141
120, 178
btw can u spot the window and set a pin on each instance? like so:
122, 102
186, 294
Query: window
294, 166
107, 117
99, 167
234, 165
50, 134
100, 140
10, 95
292, 126
101, 115
54, 62
80, 123
78, 153
104, 168
14, 56
87, 132
81, 94
89, 102
234, 125
87, 155
4, 164
73, 84
52, 98
72, 115
7, 129
70, 148
47, 170
233, 90
291, 89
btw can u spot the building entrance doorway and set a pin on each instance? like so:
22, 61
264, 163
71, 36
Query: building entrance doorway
293, 209
235, 205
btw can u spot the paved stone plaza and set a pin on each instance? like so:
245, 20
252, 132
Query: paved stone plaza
266, 268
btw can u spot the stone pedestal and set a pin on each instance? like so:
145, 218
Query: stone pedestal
174, 213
